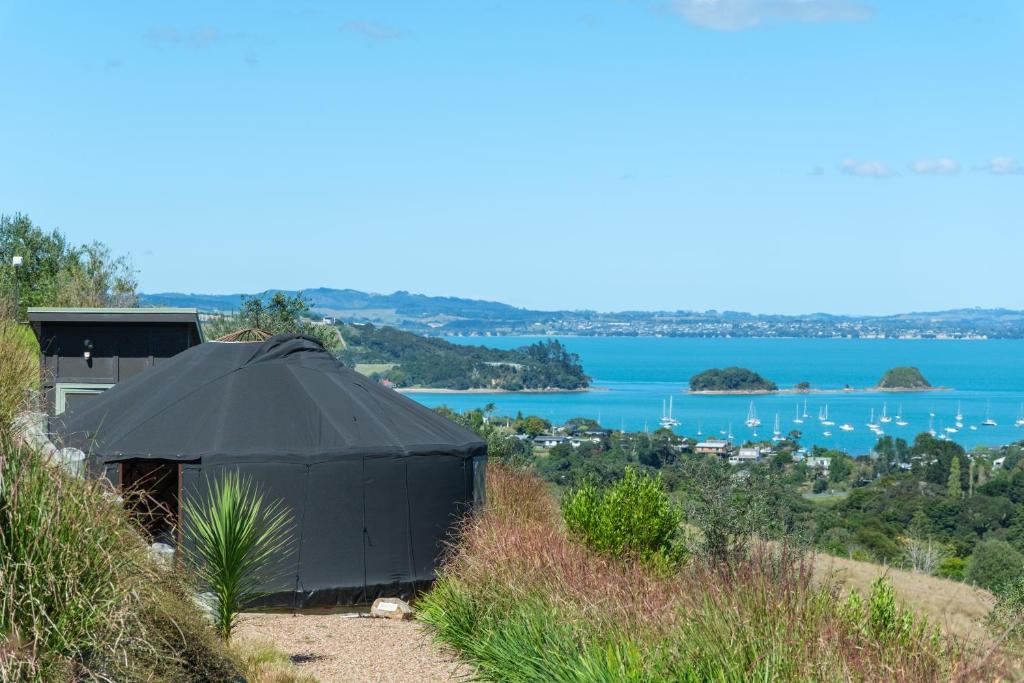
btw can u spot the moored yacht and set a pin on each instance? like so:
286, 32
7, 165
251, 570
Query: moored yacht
1020, 417
824, 418
885, 414
752, 419
846, 427
900, 422
988, 421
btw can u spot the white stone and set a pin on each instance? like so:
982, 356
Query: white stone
391, 608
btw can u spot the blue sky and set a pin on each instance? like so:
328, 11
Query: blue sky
855, 156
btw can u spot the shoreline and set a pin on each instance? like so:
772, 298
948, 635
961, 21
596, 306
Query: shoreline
484, 390
844, 390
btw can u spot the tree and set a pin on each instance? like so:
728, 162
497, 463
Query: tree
954, 489
54, 273
280, 313
994, 564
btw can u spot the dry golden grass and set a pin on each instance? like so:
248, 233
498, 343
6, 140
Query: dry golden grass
957, 608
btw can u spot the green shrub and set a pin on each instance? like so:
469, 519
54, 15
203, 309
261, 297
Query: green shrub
237, 537
994, 564
1008, 615
633, 517
820, 485
953, 567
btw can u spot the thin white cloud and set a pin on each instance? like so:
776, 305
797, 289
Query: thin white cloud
738, 15
372, 31
940, 166
866, 169
1003, 166
197, 37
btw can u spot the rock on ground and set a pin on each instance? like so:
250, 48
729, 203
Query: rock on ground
342, 647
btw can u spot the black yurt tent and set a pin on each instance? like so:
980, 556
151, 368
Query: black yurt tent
375, 481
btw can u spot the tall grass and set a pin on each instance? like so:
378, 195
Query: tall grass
80, 599
237, 537
525, 603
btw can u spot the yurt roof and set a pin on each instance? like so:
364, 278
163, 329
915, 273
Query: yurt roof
284, 398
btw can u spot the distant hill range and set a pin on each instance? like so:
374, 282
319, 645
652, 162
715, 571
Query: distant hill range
454, 315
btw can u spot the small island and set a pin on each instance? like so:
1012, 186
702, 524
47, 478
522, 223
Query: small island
731, 380
903, 379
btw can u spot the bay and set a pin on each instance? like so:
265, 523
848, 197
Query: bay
633, 375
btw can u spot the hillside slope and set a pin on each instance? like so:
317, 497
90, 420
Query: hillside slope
956, 607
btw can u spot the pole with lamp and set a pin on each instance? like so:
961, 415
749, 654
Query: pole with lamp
16, 262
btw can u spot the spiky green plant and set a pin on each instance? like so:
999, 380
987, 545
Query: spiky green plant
238, 539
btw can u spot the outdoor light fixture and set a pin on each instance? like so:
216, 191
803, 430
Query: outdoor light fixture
87, 345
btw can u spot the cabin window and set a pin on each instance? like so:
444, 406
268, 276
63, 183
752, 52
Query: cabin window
152, 491
70, 396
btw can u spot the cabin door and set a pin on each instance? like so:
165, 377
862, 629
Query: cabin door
152, 491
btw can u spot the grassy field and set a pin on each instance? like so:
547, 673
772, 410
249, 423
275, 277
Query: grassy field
956, 607
370, 368
523, 602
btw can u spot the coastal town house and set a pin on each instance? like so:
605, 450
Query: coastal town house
746, 456
717, 447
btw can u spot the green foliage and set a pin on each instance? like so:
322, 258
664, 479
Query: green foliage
502, 444
55, 273
903, 378
728, 507
277, 314
954, 489
730, 379
952, 567
632, 518
440, 364
80, 598
820, 485
1007, 616
881, 617
238, 539
994, 564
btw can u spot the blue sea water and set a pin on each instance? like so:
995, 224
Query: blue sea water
632, 375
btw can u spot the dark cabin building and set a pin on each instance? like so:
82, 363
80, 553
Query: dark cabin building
374, 482
85, 351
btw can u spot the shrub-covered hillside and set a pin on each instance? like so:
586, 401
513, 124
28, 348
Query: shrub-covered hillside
903, 378
409, 360
730, 379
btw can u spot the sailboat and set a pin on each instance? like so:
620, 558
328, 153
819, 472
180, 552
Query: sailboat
699, 433
729, 436
846, 427
666, 418
900, 422
799, 420
885, 419
824, 418
777, 433
872, 425
1020, 417
931, 425
959, 416
988, 421
805, 415
752, 419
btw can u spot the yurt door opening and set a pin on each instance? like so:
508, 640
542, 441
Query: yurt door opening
152, 490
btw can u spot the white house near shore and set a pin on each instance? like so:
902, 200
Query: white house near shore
746, 456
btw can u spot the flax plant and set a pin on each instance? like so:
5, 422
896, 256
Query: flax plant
239, 538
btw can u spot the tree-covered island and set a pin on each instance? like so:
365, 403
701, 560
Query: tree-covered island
904, 378
732, 380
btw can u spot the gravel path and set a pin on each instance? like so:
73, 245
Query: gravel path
350, 648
